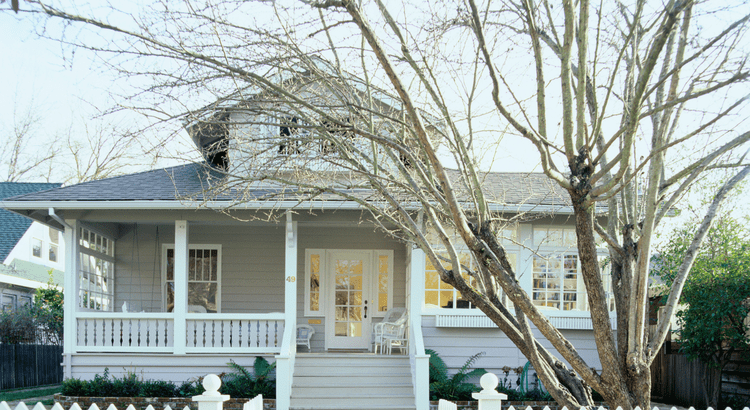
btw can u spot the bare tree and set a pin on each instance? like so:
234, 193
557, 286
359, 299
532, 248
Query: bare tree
625, 105
24, 152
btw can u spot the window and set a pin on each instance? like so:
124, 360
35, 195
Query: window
557, 282
36, 248
288, 131
439, 294
314, 268
96, 274
52, 252
204, 277
8, 303
336, 131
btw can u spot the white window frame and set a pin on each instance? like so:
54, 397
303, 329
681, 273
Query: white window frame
167, 246
108, 298
569, 248
56, 252
41, 247
322, 287
511, 248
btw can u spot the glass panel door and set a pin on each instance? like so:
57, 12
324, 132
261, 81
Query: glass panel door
348, 322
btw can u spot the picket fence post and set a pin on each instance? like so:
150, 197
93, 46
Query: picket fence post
489, 398
211, 399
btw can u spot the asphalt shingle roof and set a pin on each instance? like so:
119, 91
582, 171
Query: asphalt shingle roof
190, 180
13, 226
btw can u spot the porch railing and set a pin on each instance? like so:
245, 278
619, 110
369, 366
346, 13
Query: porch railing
154, 332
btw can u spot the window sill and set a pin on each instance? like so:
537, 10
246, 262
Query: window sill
561, 320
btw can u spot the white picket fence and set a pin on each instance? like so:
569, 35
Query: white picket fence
209, 400
489, 399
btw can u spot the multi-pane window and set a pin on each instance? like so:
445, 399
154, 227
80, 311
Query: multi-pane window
439, 294
96, 274
52, 252
36, 248
557, 282
204, 278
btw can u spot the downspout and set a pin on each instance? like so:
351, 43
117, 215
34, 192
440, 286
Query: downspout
57, 218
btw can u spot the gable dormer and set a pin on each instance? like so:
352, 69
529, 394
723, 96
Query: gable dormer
211, 135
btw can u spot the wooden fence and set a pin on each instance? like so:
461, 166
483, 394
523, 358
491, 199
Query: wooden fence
675, 379
24, 365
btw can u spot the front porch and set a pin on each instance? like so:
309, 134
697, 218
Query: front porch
178, 300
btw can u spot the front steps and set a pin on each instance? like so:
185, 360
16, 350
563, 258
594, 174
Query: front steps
361, 381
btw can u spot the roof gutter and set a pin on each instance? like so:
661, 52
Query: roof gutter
281, 205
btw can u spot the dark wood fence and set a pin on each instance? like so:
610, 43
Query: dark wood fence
23, 365
676, 380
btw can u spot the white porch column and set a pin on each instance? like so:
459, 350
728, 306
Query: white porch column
285, 359
416, 302
290, 272
180, 284
70, 294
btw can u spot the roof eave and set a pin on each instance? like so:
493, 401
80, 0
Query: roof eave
25, 206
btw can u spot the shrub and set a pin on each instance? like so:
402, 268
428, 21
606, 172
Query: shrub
453, 388
243, 383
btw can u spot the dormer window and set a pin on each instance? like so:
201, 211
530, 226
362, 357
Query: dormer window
288, 131
327, 145
212, 135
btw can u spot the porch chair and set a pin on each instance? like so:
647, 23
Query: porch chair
304, 334
393, 319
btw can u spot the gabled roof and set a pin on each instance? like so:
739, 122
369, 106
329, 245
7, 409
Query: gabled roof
13, 226
184, 185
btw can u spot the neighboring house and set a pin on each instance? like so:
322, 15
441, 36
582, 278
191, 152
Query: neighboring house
160, 283
28, 249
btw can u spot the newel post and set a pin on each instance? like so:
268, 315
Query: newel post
211, 399
489, 398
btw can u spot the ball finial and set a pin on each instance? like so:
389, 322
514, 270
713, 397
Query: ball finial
211, 383
488, 382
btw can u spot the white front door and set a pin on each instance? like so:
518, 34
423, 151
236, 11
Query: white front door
349, 306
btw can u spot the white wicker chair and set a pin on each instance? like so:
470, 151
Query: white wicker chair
393, 325
304, 334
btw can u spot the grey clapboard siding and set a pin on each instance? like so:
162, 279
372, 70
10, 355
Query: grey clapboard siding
455, 345
174, 368
252, 266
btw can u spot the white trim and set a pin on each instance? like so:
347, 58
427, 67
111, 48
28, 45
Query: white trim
142, 205
192, 246
27, 283
569, 322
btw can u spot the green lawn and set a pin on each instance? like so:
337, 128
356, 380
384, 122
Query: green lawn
21, 394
